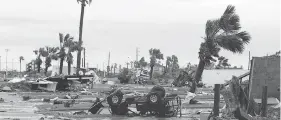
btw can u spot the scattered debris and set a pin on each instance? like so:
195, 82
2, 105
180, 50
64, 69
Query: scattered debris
189, 97
6, 89
15, 80
25, 98
43, 85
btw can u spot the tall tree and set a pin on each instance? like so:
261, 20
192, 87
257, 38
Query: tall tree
222, 60
83, 4
168, 64
120, 68
21, 59
221, 33
137, 64
175, 64
50, 53
142, 62
155, 54
225, 63
64, 40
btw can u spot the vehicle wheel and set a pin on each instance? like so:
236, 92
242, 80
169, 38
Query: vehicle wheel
159, 89
115, 99
154, 98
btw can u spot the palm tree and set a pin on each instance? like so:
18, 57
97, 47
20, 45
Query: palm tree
38, 60
221, 33
175, 64
154, 55
132, 64
142, 62
168, 64
50, 53
62, 54
83, 4
72, 46
21, 59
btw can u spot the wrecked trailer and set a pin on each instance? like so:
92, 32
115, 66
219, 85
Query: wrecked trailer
65, 82
155, 103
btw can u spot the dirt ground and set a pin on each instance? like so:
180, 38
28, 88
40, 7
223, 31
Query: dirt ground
36, 109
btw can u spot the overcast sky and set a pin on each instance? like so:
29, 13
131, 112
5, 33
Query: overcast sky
119, 26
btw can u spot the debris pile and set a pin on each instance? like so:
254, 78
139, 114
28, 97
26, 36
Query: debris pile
21, 86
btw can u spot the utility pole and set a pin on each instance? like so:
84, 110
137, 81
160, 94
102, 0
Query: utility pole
137, 54
12, 64
0, 63
7, 50
82, 63
103, 69
108, 59
108, 64
85, 57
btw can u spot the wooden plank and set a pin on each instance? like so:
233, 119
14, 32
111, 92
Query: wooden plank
264, 101
216, 108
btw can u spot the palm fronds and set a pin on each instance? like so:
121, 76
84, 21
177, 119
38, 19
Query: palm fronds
84, 2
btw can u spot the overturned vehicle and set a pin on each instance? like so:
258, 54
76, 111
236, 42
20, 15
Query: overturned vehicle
155, 103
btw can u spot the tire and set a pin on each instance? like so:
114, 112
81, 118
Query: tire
154, 98
158, 89
115, 99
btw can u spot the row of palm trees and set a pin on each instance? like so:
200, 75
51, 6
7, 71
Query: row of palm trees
63, 53
67, 47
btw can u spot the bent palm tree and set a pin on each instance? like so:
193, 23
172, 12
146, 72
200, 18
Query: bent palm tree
83, 4
221, 33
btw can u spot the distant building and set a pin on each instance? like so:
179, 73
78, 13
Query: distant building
56, 69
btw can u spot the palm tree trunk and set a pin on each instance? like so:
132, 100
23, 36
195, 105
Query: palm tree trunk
80, 36
198, 75
38, 68
151, 71
114, 71
46, 70
69, 67
166, 69
34, 69
61, 65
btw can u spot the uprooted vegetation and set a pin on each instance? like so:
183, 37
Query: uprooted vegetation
19, 86
234, 94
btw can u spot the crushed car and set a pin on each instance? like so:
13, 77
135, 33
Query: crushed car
156, 103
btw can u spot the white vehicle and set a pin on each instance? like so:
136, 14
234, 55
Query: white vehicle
142, 76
